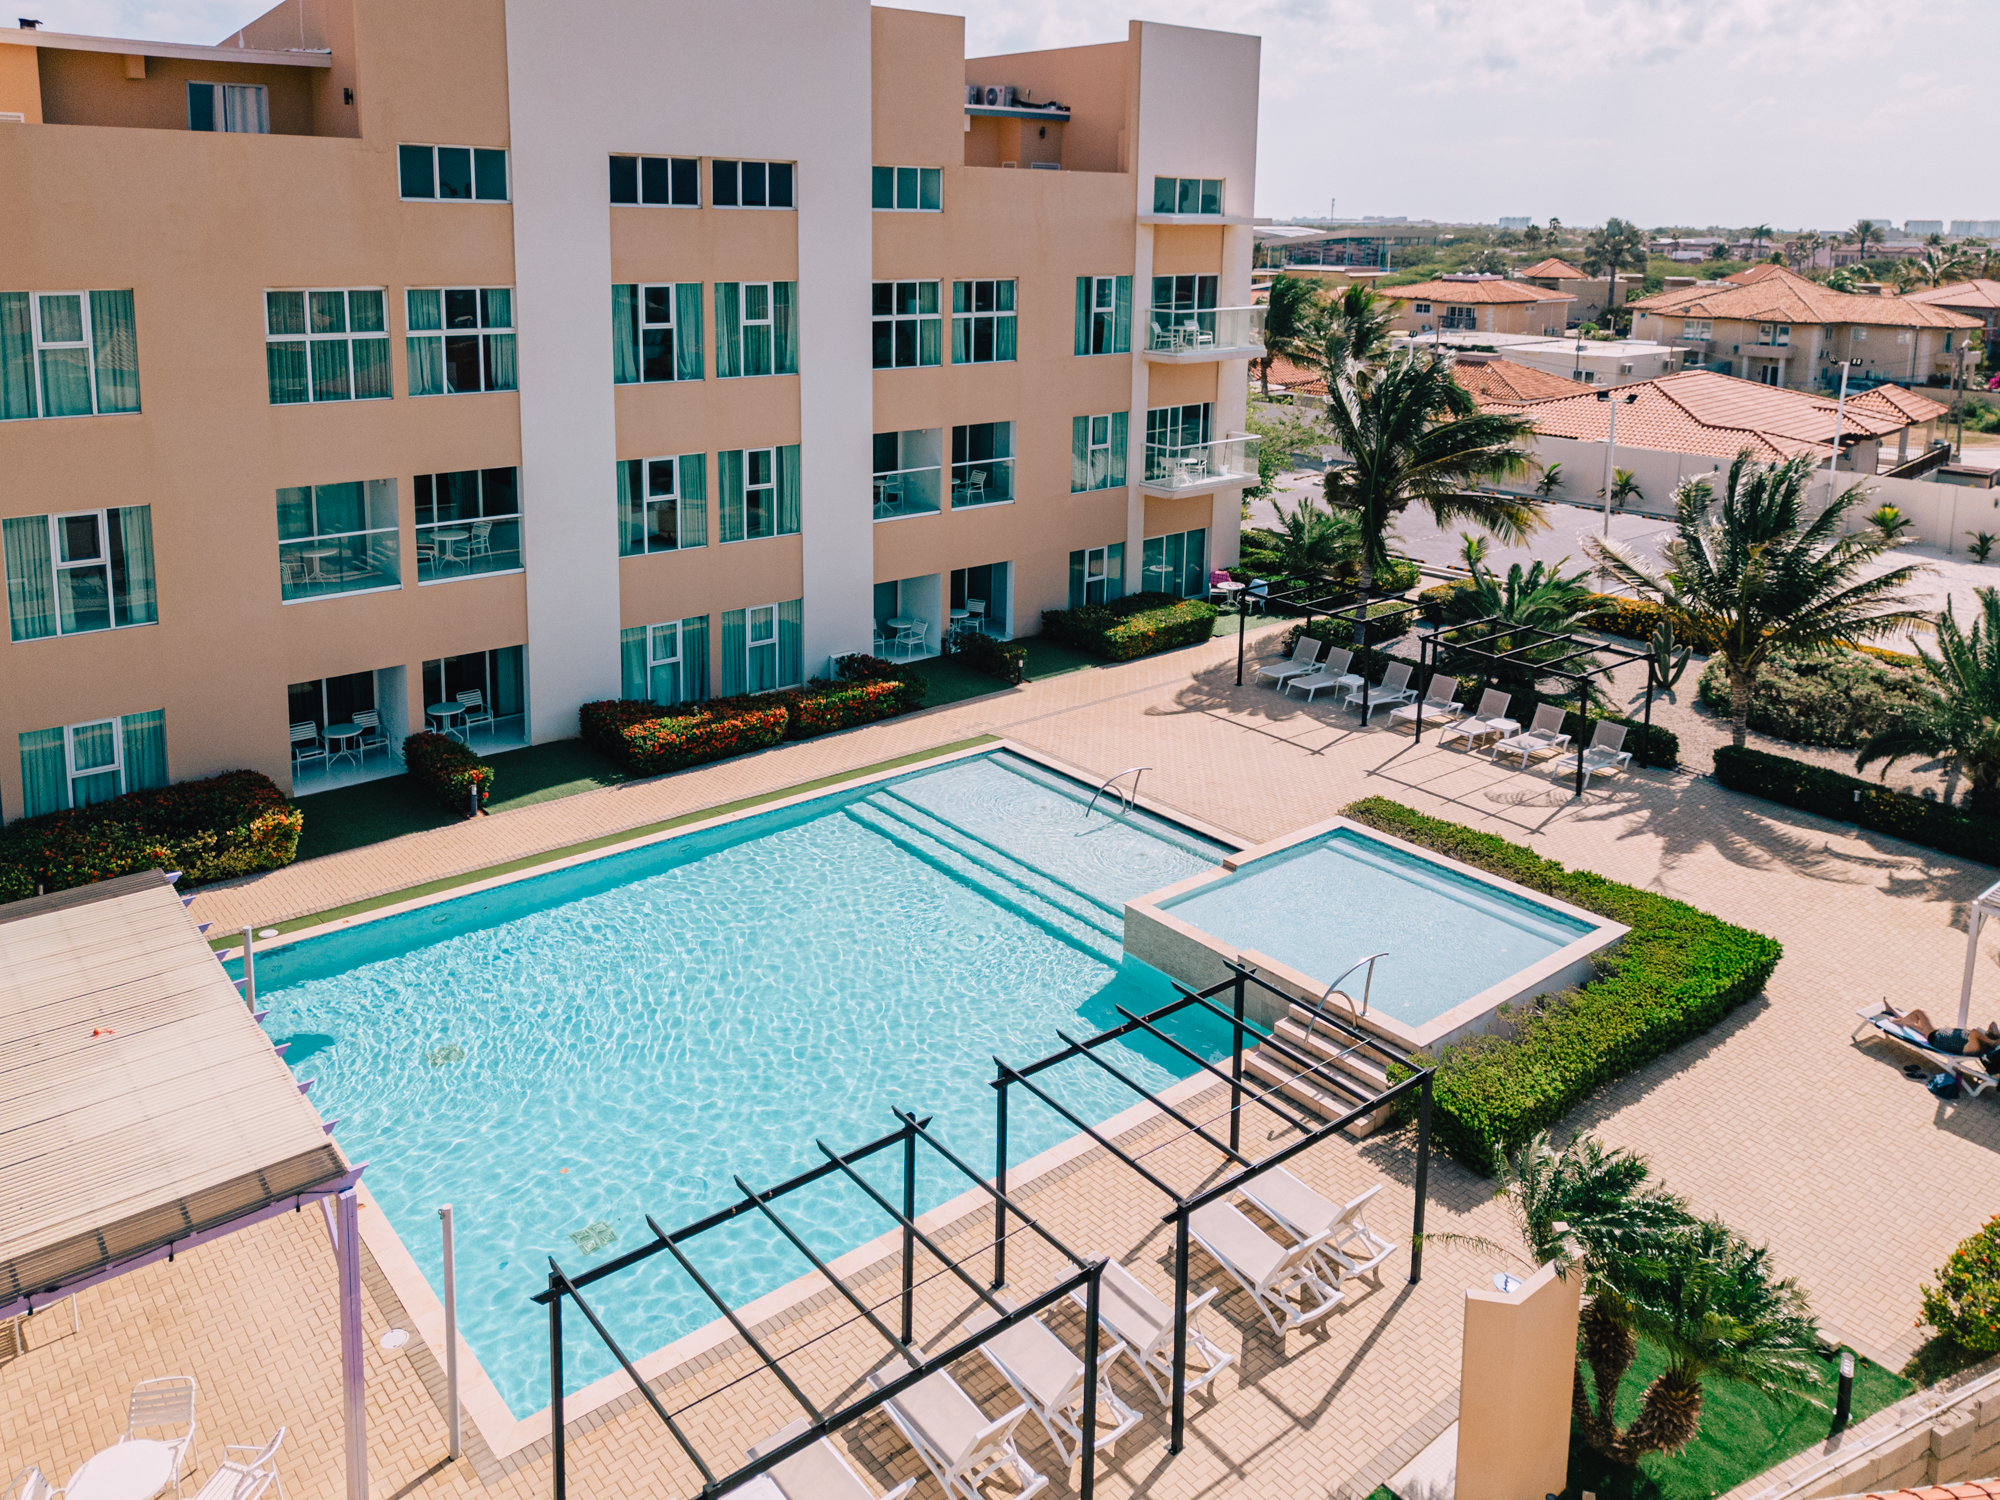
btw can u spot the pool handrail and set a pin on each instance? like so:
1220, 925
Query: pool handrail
1126, 796
1367, 984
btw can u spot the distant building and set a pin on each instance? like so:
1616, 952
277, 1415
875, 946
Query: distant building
1375, 243
1521, 223
1585, 291
1575, 361
1477, 304
1923, 226
1975, 226
1976, 299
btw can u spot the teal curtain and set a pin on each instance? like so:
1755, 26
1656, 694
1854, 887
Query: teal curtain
1076, 572
331, 380
114, 334
44, 772
694, 659
17, 357
133, 601
631, 509
788, 490
735, 642
1120, 428
1083, 285
1079, 455
785, 320
729, 500
632, 662
423, 309
1194, 570
65, 372
728, 330
624, 334
791, 642
31, 581
663, 678
426, 360
687, 331
1003, 328
1121, 333
1114, 571
500, 372
930, 330
93, 747
145, 738
693, 471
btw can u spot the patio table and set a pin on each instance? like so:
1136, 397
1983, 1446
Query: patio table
312, 555
135, 1470
348, 737
445, 539
444, 713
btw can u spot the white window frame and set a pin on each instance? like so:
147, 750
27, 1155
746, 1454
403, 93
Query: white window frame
506, 172
394, 529
1421, 307
769, 488
100, 563
72, 772
766, 207
671, 630
639, 293
1098, 558
648, 499
346, 294
1698, 328
744, 323
752, 645
86, 343
1221, 195
896, 203
1091, 448
421, 528
916, 319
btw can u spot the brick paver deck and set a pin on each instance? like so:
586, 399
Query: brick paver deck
1857, 1177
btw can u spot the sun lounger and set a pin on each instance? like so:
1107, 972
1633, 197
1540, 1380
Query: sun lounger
1490, 718
1333, 674
1543, 735
1304, 659
956, 1440
1145, 1325
818, 1472
1439, 702
1393, 688
1285, 1281
1049, 1377
1971, 1071
1607, 752
1352, 1246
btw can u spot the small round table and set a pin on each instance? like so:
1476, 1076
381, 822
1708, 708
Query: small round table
312, 555
444, 713
444, 540
342, 739
125, 1471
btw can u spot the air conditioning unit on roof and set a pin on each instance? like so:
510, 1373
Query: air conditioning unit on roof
997, 96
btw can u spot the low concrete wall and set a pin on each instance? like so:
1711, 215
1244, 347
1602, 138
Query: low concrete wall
1517, 1367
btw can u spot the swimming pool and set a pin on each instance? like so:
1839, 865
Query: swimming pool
560, 1057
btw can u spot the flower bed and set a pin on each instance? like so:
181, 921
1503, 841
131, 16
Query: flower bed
447, 771
1849, 799
213, 829
1677, 973
1134, 626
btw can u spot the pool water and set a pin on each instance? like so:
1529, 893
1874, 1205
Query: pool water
564, 1056
1321, 905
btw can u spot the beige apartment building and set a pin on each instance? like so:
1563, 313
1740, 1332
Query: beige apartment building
1477, 304
342, 393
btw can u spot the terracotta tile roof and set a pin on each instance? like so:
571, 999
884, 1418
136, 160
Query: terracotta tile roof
1469, 292
1287, 376
1553, 269
1980, 293
1780, 296
1901, 405
1972, 1489
1496, 382
1751, 275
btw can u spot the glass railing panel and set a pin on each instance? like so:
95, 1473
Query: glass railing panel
349, 564
460, 549
986, 481
1193, 465
1195, 329
907, 492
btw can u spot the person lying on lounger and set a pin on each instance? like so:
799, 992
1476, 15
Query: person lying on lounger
1971, 1043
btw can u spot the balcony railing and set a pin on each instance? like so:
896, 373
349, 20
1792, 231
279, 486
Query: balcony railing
1467, 325
1206, 333
334, 565
907, 492
459, 549
984, 481
1196, 466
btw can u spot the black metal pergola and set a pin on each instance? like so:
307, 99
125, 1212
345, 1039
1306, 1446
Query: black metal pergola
1348, 604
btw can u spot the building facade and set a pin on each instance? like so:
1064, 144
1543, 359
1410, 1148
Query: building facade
1476, 304
574, 387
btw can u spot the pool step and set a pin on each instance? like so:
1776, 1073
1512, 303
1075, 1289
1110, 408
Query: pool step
1347, 1080
894, 803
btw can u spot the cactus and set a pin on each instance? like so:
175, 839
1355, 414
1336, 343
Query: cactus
1663, 666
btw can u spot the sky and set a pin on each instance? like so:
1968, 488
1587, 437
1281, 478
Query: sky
1793, 113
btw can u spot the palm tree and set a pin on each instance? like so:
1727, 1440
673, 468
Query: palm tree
1864, 232
1351, 337
1760, 578
1472, 547
1555, 230
1759, 236
1938, 264
1624, 486
1802, 251
1310, 542
1609, 250
1532, 236
1290, 312
1539, 597
1963, 719
1551, 480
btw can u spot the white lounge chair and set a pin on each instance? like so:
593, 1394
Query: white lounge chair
29, 1484
1285, 1281
1046, 1375
1303, 660
245, 1479
1353, 1247
818, 1472
1333, 674
1607, 752
955, 1439
1440, 702
1393, 688
167, 1402
1543, 735
1971, 1072
1489, 718
1145, 1325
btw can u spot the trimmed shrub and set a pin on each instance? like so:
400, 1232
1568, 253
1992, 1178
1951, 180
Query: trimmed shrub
1001, 659
447, 770
213, 829
1401, 575
1964, 1306
1134, 626
1835, 698
1677, 973
1849, 799
1387, 623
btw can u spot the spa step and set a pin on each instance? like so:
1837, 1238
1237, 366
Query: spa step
1298, 1031
1276, 1070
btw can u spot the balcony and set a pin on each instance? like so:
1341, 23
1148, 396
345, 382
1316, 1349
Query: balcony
1180, 469
984, 481
1194, 336
1463, 323
907, 492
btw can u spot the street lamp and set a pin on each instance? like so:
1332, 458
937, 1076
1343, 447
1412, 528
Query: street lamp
1611, 448
1839, 413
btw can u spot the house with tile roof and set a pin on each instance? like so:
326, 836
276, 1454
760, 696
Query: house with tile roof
1770, 325
1477, 304
1502, 385
1979, 298
1586, 292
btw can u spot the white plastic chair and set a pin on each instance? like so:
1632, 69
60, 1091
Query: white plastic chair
1145, 1326
975, 614
482, 539
1543, 735
306, 744
1283, 1280
1303, 660
1439, 702
369, 722
818, 1472
1393, 688
1353, 1247
30, 1484
955, 1439
1489, 718
476, 711
165, 1402
1050, 1378
1607, 752
911, 639
240, 1479
1333, 674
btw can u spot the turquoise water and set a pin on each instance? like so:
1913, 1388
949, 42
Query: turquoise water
1321, 905
562, 1057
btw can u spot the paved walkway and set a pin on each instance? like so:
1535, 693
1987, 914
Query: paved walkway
1860, 1181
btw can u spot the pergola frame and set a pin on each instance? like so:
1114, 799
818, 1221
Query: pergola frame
1984, 906
1349, 604
1185, 1205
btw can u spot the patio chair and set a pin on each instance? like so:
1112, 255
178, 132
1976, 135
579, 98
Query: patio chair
1440, 701
306, 744
30, 1484
370, 724
818, 1472
956, 1440
1145, 1326
911, 639
1046, 1375
1257, 597
1607, 752
1393, 688
245, 1479
1304, 659
1971, 1071
1333, 674
1543, 735
1354, 1248
1489, 718
482, 539
975, 614
476, 710
166, 1402
1284, 1281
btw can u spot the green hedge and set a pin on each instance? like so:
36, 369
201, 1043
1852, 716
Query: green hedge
1134, 626
1677, 973
213, 829
1849, 799
1386, 624
1633, 619
447, 771
1832, 698
1000, 659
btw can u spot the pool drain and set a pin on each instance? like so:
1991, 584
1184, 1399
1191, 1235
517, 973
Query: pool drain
450, 1052
593, 1237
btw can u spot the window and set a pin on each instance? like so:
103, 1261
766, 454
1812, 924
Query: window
908, 466
1460, 316
1422, 307
80, 571
662, 504
1175, 434
908, 324
1774, 333
495, 675
1176, 564
750, 184
1697, 328
655, 332
67, 354
666, 664
1187, 195
327, 345
239, 108
756, 328
981, 599
982, 464
453, 174
1859, 335
763, 647
1097, 451
337, 539
758, 493
1182, 304
461, 339
79, 765
1104, 315
909, 189
468, 522
1096, 575
337, 700
671, 181
982, 322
